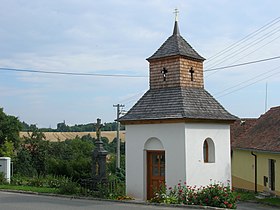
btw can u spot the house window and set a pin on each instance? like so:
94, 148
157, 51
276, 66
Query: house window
208, 151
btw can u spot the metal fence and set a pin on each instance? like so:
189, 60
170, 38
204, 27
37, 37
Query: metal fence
103, 188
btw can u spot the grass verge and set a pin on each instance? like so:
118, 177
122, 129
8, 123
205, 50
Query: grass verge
272, 201
251, 196
29, 189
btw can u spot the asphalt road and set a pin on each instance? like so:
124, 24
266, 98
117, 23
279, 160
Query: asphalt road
18, 201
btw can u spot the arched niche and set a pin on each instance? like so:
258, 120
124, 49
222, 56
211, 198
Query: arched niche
153, 144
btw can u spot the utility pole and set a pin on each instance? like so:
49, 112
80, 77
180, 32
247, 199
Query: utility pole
118, 151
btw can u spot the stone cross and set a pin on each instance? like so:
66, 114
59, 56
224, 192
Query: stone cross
99, 156
98, 127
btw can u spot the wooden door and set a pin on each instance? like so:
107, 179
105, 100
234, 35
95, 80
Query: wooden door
155, 171
272, 174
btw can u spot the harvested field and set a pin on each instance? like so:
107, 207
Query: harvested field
62, 136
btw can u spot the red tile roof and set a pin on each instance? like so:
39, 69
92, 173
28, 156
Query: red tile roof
261, 134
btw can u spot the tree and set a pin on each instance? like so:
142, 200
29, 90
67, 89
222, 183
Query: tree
71, 158
38, 148
9, 131
7, 149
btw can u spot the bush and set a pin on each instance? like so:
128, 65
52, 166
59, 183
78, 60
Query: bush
216, 195
56, 181
69, 188
2, 178
18, 180
36, 182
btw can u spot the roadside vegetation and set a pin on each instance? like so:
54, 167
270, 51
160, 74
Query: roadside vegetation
56, 167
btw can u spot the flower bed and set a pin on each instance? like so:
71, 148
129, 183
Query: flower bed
216, 195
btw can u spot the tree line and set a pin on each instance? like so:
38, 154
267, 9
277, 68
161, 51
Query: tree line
63, 127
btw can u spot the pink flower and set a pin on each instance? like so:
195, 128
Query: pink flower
229, 205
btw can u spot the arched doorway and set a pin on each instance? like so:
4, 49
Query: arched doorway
155, 165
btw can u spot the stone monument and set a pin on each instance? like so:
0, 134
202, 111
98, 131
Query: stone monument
99, 155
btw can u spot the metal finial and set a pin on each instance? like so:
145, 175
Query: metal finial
176, 12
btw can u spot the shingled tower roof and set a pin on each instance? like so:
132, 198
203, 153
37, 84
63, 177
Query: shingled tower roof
176, 87
176, 45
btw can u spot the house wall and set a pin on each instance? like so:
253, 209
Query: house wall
198, 172
243, 170
172, 138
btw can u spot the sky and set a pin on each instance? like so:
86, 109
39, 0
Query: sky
114, 37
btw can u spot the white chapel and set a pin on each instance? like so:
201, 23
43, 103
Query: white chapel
177, 130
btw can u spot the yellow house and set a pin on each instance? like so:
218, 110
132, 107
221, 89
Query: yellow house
256, 153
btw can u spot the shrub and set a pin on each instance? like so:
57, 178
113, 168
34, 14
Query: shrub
56, 181
69, 188
2, 178
36, 182
216, 195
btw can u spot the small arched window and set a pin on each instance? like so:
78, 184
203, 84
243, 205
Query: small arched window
208, 151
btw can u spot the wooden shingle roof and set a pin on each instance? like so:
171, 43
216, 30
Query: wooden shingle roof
176, 45
262, 135
177, 103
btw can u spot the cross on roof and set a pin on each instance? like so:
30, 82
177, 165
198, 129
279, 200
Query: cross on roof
176, 12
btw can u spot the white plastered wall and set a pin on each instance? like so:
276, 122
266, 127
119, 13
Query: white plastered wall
176, 139
172, 138
198, 172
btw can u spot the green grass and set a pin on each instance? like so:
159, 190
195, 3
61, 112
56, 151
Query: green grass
245, 196
29, 188
273, 201
251, 196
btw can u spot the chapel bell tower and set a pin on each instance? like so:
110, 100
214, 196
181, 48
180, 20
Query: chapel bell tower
176, 64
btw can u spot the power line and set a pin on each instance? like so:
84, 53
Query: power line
132, 98
257, 49
244, 48
248, 85
248, 80
71, 73
254, 33
125, 75
242, 64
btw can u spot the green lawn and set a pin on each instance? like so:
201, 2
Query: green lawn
29, 188
273, 201
251, 196
245, 196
